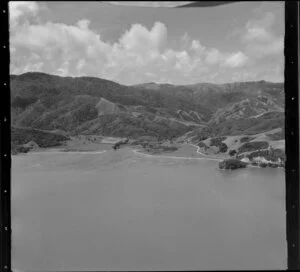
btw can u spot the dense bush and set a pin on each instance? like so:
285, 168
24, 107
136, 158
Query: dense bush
232, 152
169, 148
223, 148
19, 149
253, 146
120, 143
157, 148
21, 136
217, 141
232, 164
278, 153
201, 137
246, 139
202, 145
270, 155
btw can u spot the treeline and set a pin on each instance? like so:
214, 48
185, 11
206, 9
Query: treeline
252, 146
21, 136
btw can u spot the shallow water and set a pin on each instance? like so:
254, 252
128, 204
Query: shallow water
123, 211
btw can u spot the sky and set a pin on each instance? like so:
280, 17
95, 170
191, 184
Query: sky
242, 41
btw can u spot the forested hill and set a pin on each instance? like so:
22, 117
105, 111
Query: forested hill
88, 105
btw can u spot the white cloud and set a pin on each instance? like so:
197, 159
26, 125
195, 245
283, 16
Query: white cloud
140, 39
257, 33
63, 70
260, 39
213, 56
138, 55
236, 60
17, 9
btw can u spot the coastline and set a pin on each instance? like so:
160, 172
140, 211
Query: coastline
67, 152
184, 152
73, 147
178, 154
137, 151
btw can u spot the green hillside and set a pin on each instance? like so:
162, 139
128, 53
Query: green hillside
88, 105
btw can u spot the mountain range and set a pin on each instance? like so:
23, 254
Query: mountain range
88, 105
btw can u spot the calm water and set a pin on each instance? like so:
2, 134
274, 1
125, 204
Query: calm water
122, 211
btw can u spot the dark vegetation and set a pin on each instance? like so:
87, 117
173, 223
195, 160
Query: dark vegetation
20, 136
201, 137
49, 102
156, 147
202, 145
253, 146
217, 141
223, 148
232, 164
120, 143
232, 152
270, 155
19, 149
246, 139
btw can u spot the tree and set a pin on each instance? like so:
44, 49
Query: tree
232, 152
223, 148
232, 164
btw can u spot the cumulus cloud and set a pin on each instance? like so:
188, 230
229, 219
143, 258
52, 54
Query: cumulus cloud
213, 56
236, 60
260, 39
260, 29
141, 40
140, 54
18, 9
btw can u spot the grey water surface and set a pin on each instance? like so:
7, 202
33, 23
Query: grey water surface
124, 211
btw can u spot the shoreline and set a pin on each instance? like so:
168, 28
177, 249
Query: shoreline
94, 149
67, 152
163, 154
137, 151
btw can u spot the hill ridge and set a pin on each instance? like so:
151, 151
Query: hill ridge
51, 102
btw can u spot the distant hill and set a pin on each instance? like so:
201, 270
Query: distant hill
217, 96
88, 105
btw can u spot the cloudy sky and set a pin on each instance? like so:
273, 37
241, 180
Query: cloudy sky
131, 45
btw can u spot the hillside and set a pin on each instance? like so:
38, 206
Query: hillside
21, 137
88, 105
91, 105
217, 96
